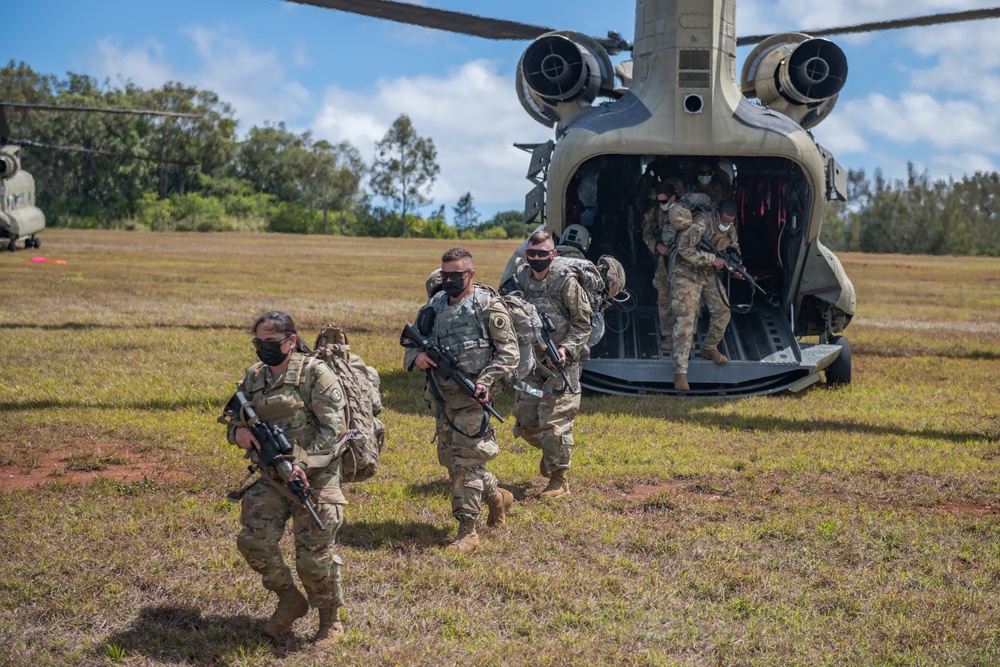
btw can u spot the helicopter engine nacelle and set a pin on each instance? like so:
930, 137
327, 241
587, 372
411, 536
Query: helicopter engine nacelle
560, 74
796, 75
9, 164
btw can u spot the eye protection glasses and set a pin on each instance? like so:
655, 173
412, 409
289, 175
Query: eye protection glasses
537, 254
269, 344
453, 275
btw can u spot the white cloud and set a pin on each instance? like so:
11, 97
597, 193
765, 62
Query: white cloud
254, 81
145, 64
472, 114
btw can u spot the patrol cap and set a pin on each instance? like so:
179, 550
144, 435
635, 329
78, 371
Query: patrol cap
433, 283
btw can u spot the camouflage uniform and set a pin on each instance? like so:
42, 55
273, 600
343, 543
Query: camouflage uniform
721, 240
307, 402
545, 421
478, 329
657, 228
693, 277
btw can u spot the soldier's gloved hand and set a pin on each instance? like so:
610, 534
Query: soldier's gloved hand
718, 263
244, 438
663, 248
482, 393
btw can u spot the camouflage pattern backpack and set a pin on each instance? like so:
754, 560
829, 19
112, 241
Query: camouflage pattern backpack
602, 282
360, 384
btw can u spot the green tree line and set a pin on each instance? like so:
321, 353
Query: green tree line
917, 215
271, 179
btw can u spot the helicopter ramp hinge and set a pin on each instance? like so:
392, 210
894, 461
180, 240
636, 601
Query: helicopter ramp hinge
836, 177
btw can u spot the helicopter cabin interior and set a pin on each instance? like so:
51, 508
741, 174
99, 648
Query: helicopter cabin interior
610, 194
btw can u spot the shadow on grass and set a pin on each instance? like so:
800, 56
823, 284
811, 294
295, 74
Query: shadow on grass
182, 635
369, 536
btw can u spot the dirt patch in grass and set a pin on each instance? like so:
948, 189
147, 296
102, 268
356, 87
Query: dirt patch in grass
964, 509
69, 464
644, 493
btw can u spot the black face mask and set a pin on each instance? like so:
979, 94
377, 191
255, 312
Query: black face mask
271, 357
454, 287
539, 265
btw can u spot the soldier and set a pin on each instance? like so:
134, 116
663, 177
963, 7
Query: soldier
710, 181
544, 415
722, 232
474, 323
656, 234
301, 395
692, 279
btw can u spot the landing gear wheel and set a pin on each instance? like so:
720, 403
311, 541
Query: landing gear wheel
839, 372
12, 245
36, 243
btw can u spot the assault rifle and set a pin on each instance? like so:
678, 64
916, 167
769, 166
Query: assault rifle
733, 262
446, 364
552, 350
274, 449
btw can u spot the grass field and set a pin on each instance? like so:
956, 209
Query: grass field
859, 526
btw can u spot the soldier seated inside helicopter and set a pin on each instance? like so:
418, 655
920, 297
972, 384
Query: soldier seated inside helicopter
609, 198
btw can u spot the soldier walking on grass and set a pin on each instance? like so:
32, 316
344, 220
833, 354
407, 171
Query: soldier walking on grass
302, 396
545, 414
474, 323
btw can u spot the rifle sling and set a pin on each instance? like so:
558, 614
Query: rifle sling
439, 399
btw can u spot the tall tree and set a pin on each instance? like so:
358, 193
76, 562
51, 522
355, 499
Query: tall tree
404, 168
466, 215
331, 178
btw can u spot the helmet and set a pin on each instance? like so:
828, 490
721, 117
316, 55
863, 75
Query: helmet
433, 283
577, 235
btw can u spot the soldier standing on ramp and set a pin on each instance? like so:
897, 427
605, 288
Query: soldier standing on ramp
692, 278
474, 323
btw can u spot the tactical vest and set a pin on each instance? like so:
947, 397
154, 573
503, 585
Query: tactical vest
284, 406
463, 328
546, 295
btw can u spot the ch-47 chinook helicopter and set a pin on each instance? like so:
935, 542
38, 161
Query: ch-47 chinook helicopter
678, 103
20, 218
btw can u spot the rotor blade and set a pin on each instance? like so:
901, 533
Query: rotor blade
439, 19
932, 19
140, 112
98, 151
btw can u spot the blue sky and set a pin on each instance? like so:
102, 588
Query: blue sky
926, 95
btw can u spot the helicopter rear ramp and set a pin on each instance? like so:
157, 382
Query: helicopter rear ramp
764, 357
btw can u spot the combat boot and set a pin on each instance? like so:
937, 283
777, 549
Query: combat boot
713, 354
467, 539
331, 630
681, 382
499, 503
291, 606
558, 486
667, 345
